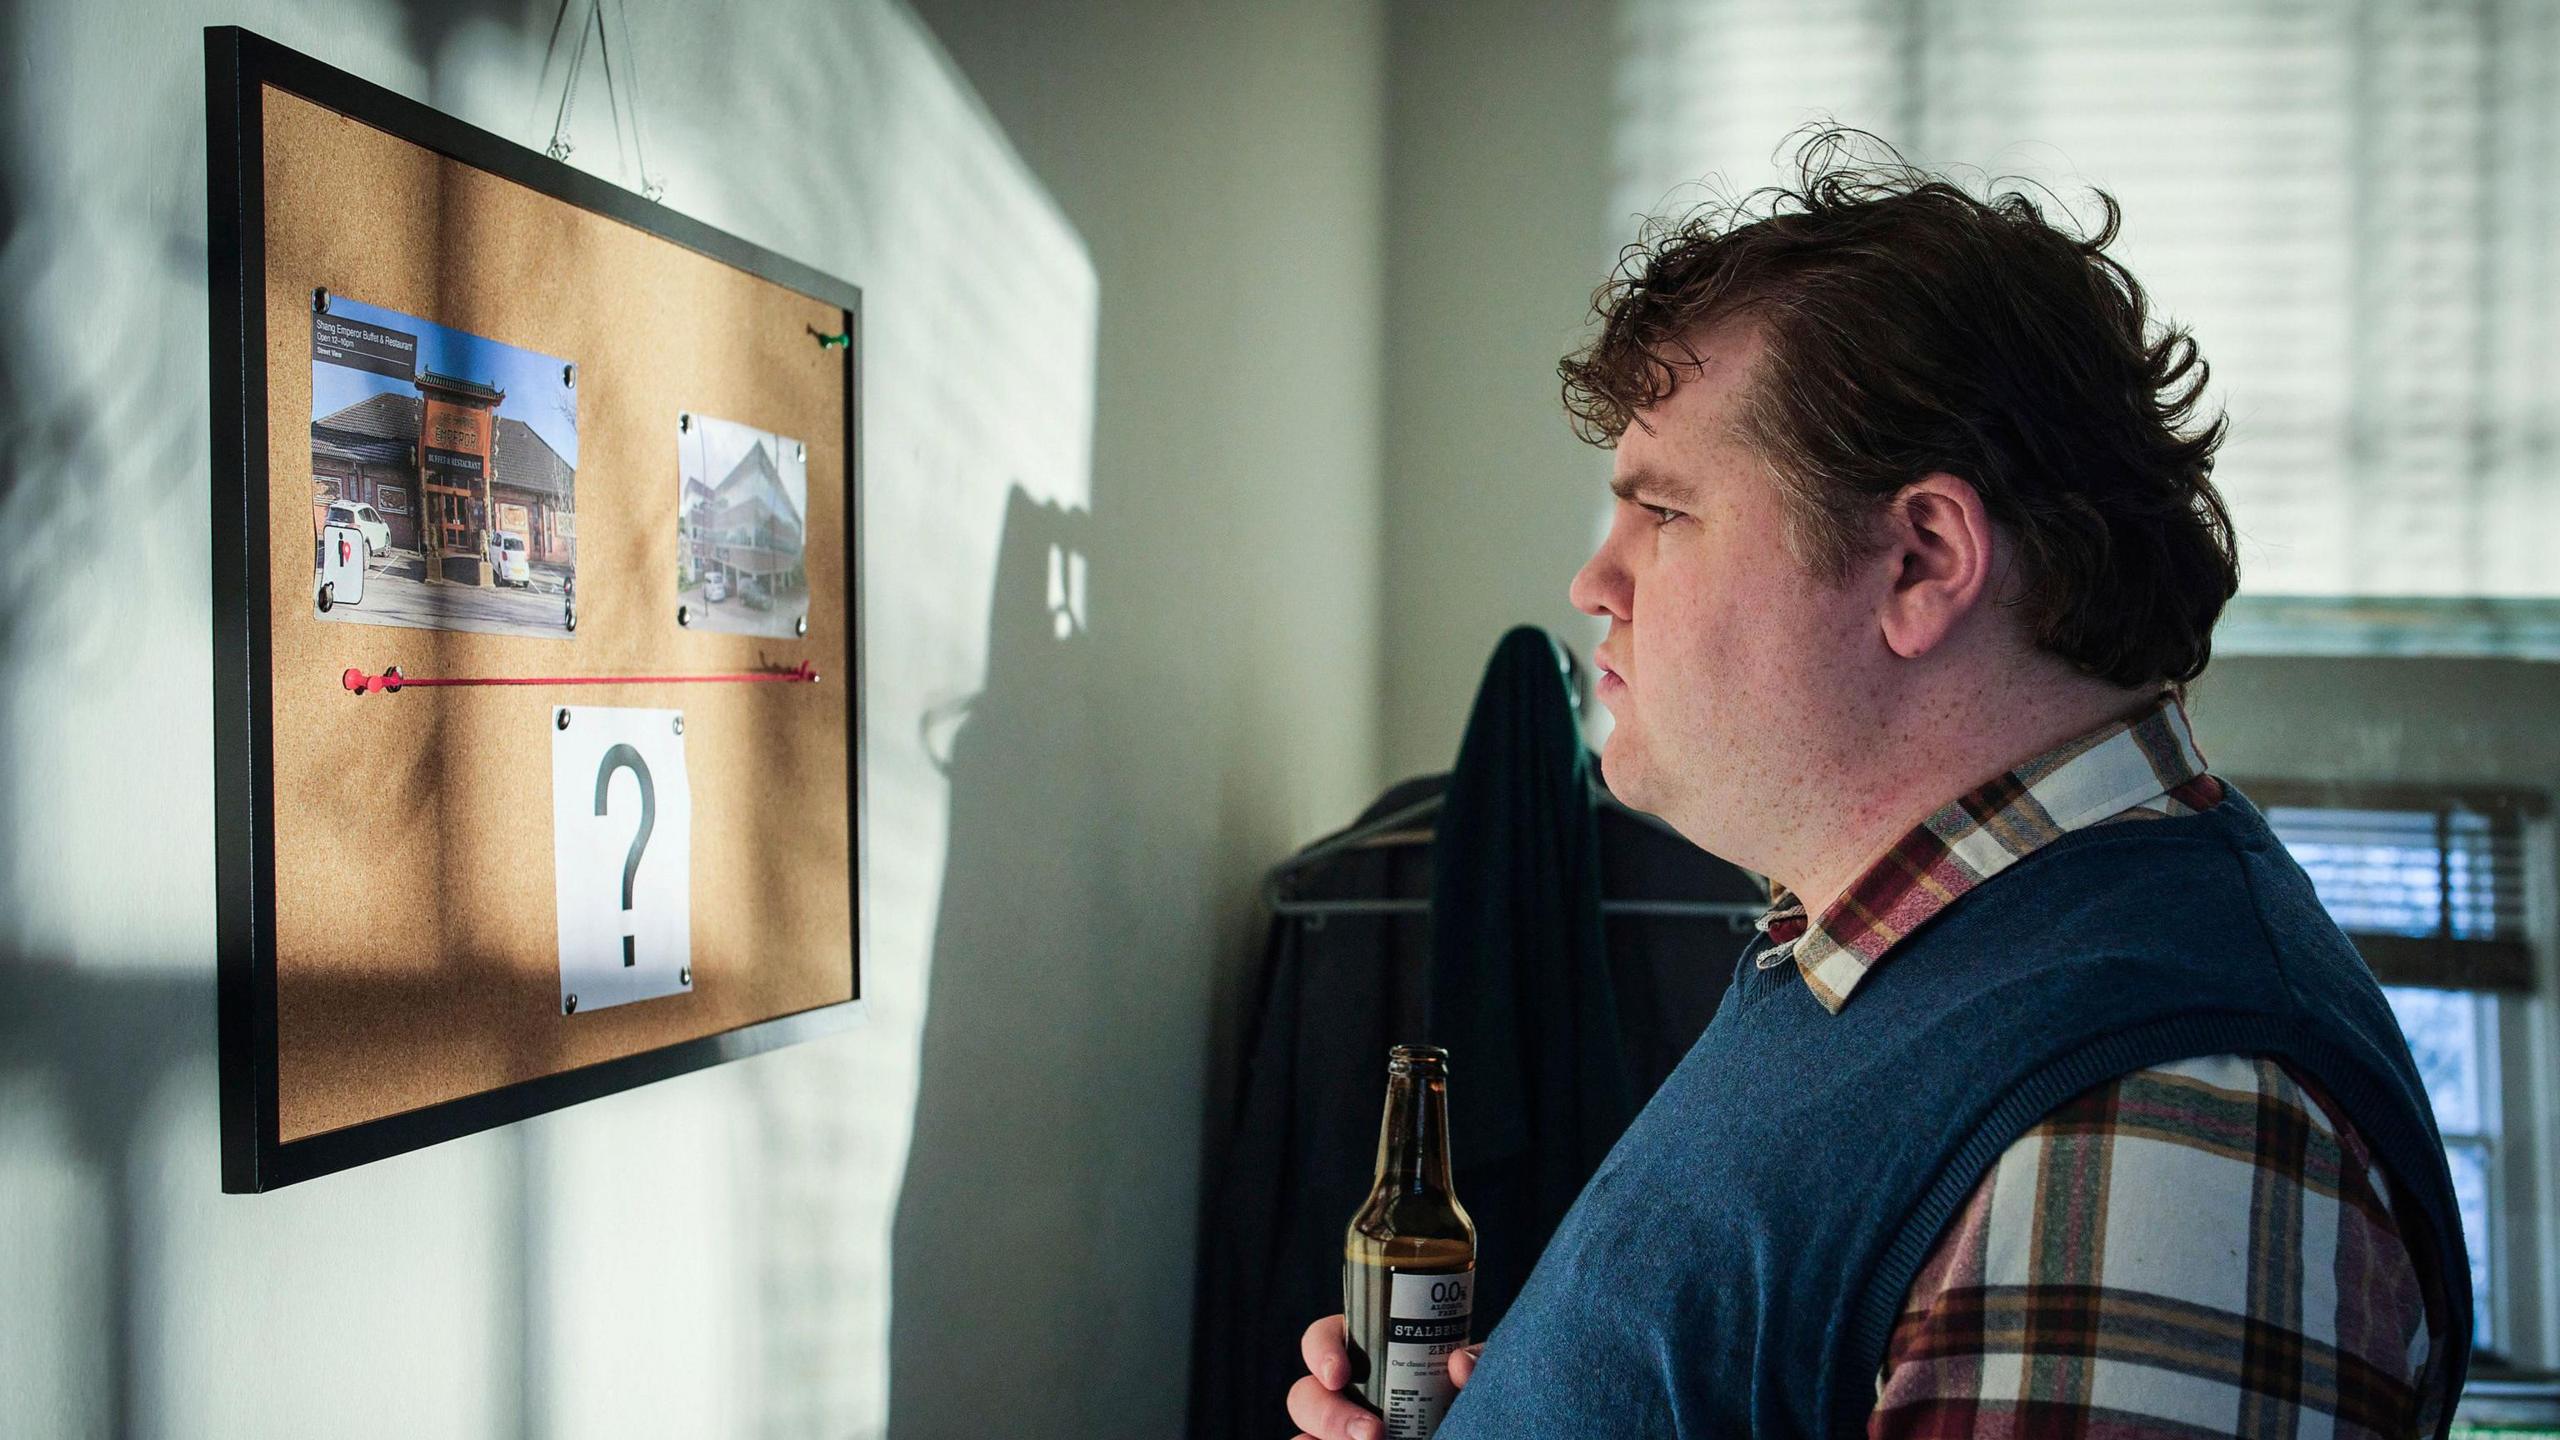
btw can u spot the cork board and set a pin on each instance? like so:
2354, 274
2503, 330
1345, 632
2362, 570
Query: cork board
417, 941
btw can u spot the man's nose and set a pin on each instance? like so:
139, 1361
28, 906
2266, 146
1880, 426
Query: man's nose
1600, 586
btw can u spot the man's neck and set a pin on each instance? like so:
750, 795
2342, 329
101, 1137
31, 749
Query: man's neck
1975, 742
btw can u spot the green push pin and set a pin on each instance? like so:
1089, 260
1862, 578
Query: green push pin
831, 342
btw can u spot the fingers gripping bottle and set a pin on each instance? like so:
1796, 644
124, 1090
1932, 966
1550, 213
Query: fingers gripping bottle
1409, 1261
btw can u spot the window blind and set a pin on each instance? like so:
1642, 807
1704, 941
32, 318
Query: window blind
2430, 888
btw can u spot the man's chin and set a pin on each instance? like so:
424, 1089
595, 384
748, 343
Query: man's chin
1619, 770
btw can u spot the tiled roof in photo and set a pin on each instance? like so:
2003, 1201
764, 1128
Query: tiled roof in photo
388, 416
359, 448
526, 461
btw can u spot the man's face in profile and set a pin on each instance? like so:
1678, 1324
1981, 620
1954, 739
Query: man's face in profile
1729, 671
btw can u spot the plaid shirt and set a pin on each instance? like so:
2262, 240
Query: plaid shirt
2201, 1248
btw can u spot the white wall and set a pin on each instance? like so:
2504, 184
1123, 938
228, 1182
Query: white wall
1222, 160
1066, 828
1499, 228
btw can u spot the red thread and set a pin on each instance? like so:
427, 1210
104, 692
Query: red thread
391, 681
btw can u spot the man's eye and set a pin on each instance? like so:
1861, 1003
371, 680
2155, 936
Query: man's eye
1660, 515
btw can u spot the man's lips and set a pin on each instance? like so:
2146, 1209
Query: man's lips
1610, 679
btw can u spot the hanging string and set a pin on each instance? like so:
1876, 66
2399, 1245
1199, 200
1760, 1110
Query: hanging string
612, 96
651, 187
560, 147
592, 23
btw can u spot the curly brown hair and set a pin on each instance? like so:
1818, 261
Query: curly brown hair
1910, 328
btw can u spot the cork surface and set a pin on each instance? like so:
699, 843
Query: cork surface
417, 957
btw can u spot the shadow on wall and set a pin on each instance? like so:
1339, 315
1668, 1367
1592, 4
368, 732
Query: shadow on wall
100, 461
997, 1280
101, 1047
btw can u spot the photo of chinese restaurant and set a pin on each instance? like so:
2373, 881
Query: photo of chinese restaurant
448, 474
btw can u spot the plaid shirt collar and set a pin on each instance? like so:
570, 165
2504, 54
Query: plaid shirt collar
2146, 767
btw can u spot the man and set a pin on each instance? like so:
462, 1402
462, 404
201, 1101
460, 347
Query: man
2048, 1101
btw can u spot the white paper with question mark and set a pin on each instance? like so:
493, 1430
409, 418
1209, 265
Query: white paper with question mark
622, 848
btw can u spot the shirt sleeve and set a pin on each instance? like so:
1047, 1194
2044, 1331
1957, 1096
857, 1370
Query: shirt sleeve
2203, 1248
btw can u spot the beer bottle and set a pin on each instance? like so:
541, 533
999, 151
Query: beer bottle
1409, 1261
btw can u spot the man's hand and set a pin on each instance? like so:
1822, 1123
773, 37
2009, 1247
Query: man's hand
1317, 1404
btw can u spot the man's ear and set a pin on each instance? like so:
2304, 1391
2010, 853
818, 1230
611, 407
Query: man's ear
1940, 543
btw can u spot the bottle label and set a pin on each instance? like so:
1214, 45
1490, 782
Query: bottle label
1427, 1319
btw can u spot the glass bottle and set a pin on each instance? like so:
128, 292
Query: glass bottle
1409, 1259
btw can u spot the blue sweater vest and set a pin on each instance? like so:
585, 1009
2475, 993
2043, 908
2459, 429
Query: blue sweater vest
1735, 1266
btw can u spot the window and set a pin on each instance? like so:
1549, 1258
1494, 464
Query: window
394, 499
2431, 886
2454, 1036
2432, 891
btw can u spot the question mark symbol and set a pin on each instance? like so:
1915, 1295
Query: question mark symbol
623, 757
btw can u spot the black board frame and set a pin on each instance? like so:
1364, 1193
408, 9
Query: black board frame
239, 65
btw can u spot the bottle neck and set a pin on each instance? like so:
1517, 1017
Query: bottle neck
1413, 1139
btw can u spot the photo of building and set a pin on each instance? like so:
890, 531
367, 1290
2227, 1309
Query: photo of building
456, 457
742, 500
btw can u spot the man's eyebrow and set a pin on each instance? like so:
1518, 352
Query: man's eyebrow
1661, 487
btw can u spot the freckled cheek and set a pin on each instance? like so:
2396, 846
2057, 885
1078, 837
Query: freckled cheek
1735, 639
1686, 646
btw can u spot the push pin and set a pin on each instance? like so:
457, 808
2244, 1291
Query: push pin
569, 1005
684, 424
800, 626
831, 342
684, 615
564, 717
319, 299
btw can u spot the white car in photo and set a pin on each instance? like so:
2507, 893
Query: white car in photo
512, 566
361, 518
